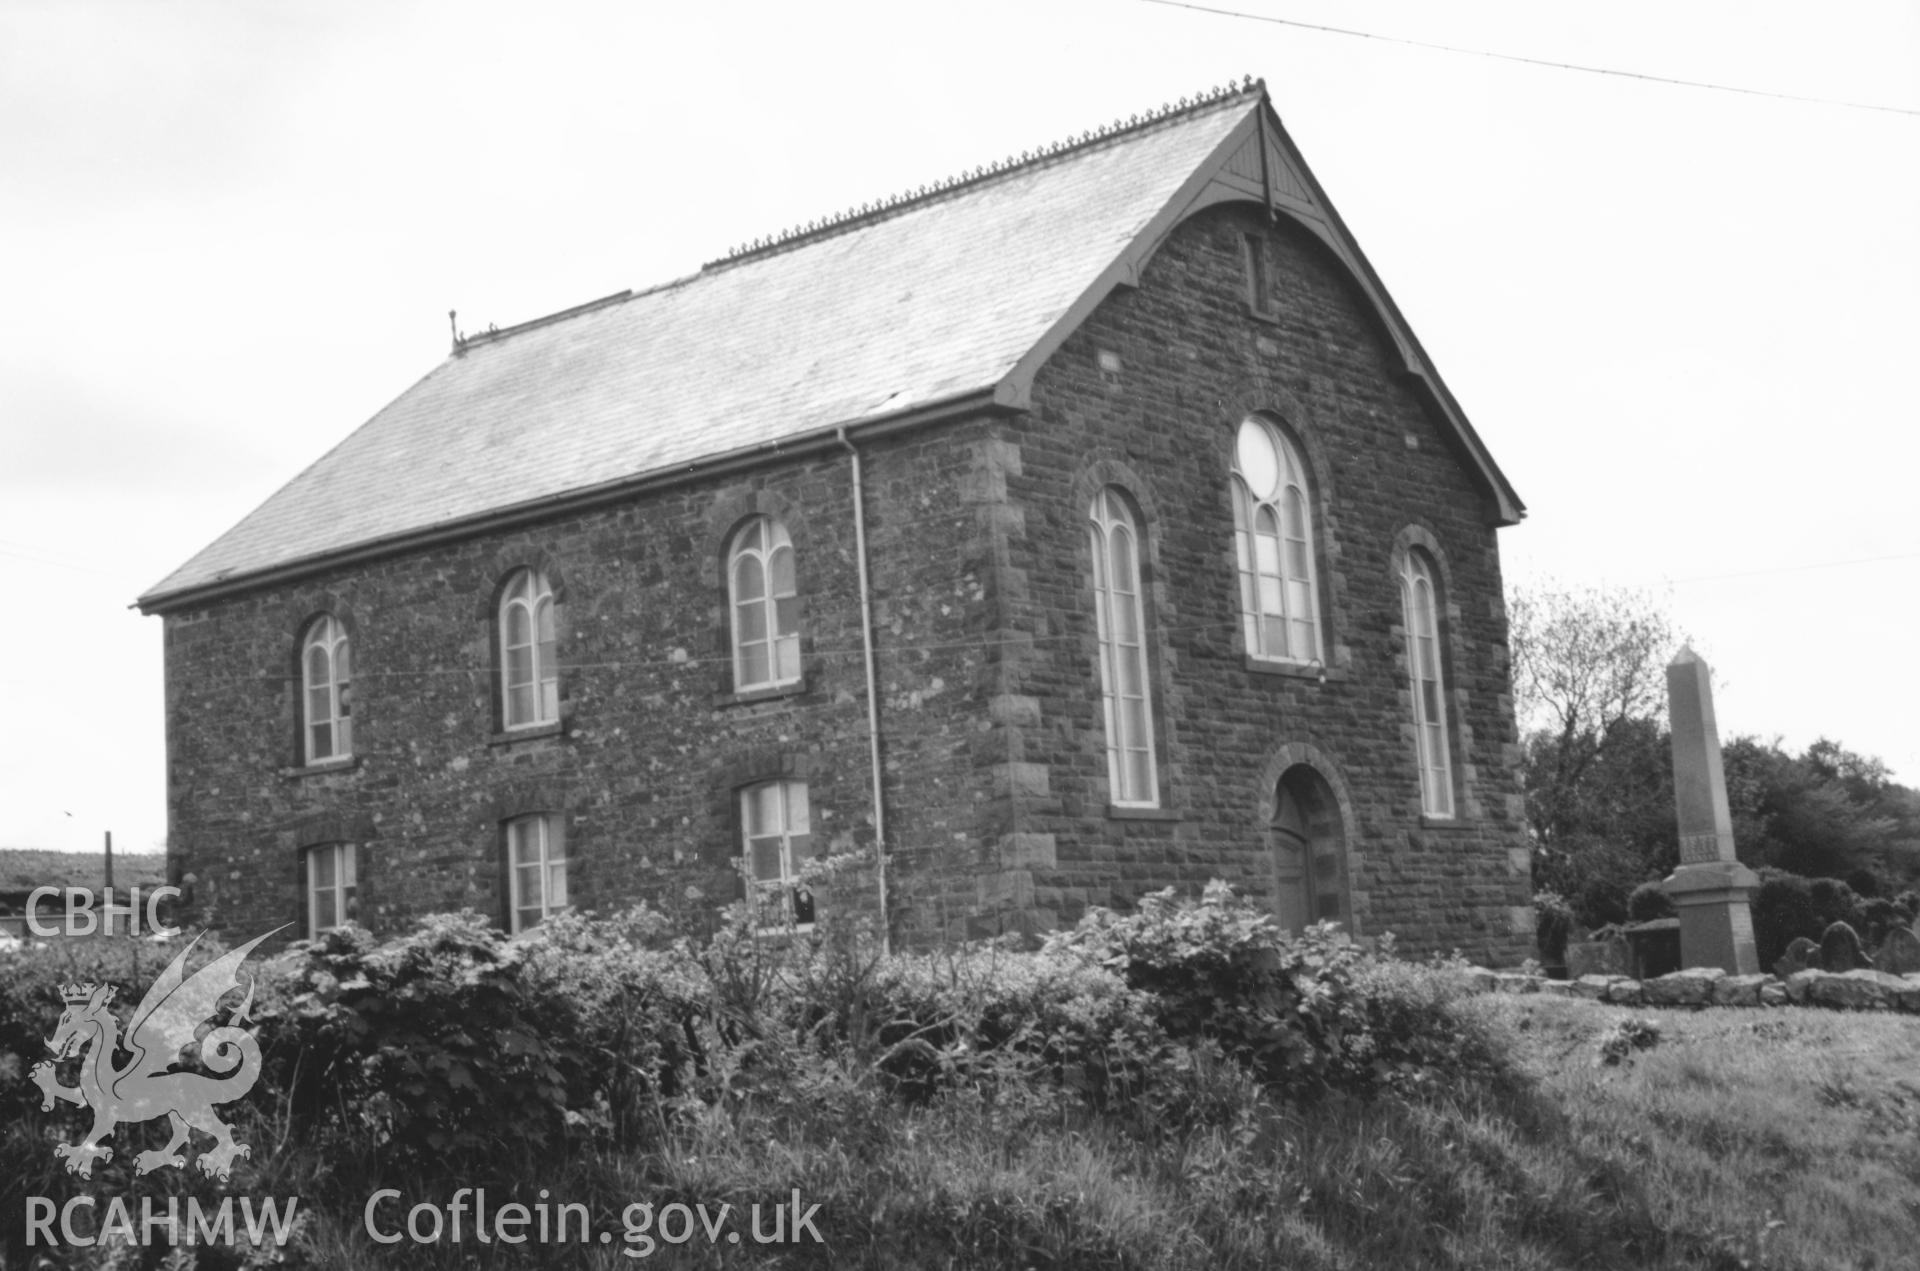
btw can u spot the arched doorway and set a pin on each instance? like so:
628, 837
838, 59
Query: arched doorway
1309, 851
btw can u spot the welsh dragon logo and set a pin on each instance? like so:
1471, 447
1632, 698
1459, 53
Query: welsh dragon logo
145, 1087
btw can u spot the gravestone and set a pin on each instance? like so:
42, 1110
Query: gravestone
1711, 887
1655, 947
1899, 953
1840, 949
1802, 955
1610, 955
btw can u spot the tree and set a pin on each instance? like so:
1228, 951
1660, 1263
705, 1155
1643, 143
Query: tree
1611, 828
1589, 678
1864, 777
1589, 675
1822, 814
1586, 661
1586, 658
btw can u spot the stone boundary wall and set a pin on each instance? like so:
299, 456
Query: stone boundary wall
1697, 987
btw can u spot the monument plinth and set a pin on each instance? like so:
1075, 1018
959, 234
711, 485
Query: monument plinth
1711, 887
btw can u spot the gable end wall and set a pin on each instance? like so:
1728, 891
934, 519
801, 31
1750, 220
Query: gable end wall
1192, 362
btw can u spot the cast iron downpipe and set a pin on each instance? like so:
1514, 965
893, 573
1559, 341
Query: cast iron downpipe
873, 692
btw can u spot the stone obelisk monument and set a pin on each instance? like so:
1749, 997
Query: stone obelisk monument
1711, 887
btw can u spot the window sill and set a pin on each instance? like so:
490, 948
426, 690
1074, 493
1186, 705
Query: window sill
1296, 670
538, 732
1430, 822
325, 767
763, 693
1124, 812
784, 937
524, 932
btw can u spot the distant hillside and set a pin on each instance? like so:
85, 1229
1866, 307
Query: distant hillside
24, 868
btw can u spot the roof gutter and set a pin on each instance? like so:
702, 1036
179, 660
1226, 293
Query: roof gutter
996, 398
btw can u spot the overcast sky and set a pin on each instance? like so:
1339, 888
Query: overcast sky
1682, 319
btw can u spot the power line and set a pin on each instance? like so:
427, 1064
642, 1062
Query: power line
1667, 580
49, 560
1795, 569
1533, 61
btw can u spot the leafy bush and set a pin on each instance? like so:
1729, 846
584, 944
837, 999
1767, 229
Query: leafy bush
1877, 917
1788, 906
812, 1024
454, 1049
983, 1014
642, 1015
1428, 1023
1782, 911
1649, 902
1221, 970
1302, 1012
31, 975
1834, 901
1623, 1037
436, 1046
1865, 883
1552, 924
1594, 874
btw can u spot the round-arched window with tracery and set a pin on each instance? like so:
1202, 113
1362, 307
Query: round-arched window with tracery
1273, 535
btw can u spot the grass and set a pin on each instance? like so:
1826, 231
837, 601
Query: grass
1738, 1139
1755, 1138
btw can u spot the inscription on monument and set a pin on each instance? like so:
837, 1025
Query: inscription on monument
1695, 848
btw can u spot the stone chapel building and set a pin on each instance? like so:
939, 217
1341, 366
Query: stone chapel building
1077, 526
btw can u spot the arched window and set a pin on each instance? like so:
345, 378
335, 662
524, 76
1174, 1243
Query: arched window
779, 841
1121, 623
529, 671
1420, 616
766, 608
332, 887
324, 678
1273, 534
536, 870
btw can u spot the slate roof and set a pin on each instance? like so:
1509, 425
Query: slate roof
925, 299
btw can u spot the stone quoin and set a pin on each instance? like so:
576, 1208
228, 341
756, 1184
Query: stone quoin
1082, 525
